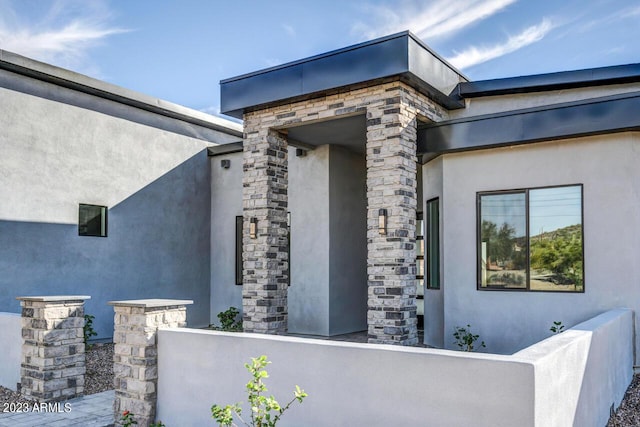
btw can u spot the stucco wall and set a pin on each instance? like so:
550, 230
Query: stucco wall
328, 288
155, 183
11, 355
509, 321
433, 298
501, 103
309, 206
586, 369
348, 242
226, 204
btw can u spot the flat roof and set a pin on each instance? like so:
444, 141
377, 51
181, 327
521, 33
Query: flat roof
59, 76
401, 56
589, 77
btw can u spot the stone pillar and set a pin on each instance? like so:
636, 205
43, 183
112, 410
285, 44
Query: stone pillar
391, 185
135, 360
53, 359
265, 257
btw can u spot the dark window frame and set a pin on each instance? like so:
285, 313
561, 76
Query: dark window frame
524, 191
239, 250
104, 213
429, 260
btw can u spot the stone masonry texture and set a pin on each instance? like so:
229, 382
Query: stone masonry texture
392, 110
53, 357
135, 361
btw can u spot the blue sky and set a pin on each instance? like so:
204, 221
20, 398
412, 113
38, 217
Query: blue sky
180, 50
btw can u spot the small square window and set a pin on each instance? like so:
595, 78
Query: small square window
92, 220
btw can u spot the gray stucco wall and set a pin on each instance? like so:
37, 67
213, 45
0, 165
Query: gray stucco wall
309, 207
348, 244
434, 298
509, 321
155, 183
226, 204
328, 292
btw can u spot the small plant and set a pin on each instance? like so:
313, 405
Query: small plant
228, 320
261, 406
465, 340
557, 327
127, 419
88, 330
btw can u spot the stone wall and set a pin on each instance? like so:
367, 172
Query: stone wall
53, 358
135, 358
392, 110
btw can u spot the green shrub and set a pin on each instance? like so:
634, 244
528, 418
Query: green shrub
465, 340
88, 330
261, 406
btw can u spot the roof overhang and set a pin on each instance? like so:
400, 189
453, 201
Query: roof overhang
401, 56
595, 116
617, 74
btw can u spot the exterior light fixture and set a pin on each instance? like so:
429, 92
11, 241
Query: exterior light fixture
382, 222
225, 163
253, 228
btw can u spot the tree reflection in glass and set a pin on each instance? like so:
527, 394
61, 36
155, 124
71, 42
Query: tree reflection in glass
503, 240
555, 230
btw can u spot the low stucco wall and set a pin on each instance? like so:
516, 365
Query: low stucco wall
11, 355
379, 385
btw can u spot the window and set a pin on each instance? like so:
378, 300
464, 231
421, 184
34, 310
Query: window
531, 240
420, 268
239, 250
92, 220
433, 244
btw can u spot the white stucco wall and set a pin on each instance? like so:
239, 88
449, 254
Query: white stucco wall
509, 321
569, 379
11, 355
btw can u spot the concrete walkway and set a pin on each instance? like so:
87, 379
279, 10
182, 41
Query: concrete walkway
95, 410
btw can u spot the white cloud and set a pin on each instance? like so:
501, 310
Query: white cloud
428, 20
289, 30
476, 55
63, 36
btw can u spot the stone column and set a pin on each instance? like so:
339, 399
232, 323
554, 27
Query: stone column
53, 359
265, 257
135, 360
391, 185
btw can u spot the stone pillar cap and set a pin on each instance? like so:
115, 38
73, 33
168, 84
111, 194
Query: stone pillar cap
150, 303
55, 298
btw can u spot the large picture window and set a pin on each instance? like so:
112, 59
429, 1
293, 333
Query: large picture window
531, 240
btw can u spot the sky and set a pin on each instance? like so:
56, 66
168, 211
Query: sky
179, 50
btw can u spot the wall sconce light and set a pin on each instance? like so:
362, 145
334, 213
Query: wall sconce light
253, 228
300, 152
225, 163
382, 222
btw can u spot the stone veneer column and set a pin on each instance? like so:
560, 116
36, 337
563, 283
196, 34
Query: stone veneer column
53, 359
135, 358
391, 185
265, 257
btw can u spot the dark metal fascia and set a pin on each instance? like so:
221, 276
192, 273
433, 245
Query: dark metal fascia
222, 149
615, 113
28, 72
601, 76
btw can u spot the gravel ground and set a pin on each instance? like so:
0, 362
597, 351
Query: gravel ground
99, 376
628, 414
